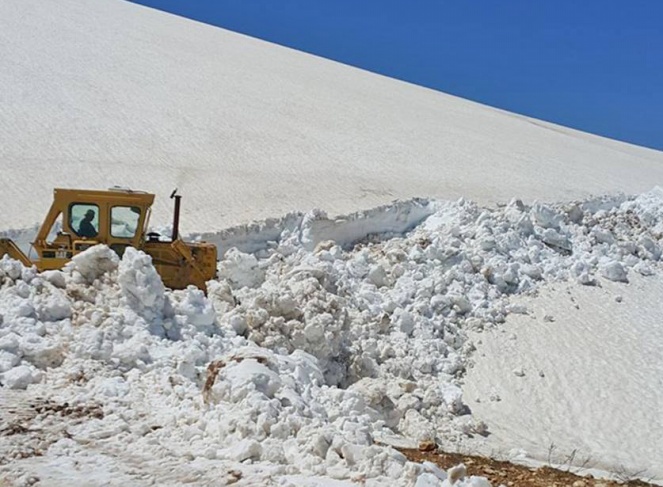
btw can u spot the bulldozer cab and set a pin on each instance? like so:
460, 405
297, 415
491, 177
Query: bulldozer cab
118, 218
80, 219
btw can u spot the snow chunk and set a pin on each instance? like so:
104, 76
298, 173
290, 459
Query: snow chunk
141, 285
54, 307
545, 217
243, 377
20, 377
57, 278
240, 269
197, 308
10, 342
42, 352
614, 271
246, 449
94, 262
8, 360
10, 268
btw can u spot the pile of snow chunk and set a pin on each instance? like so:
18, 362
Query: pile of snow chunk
321, 350
395, 310
117, 347
28, 304
98, 307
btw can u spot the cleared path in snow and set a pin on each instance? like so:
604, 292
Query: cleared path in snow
98, 93
592, 379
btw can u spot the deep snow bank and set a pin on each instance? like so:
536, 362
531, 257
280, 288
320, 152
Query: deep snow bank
309, 229
322, 350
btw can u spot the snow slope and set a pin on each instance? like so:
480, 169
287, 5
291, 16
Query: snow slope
98, 93
589, 382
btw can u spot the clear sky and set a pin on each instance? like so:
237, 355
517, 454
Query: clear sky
595, 65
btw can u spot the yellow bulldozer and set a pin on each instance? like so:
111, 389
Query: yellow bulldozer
80, 219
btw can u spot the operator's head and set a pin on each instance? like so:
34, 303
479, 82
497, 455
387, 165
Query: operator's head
89, 214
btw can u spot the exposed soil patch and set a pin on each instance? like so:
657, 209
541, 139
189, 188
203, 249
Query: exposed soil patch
512, 475
13, 429
21, 425
67, 410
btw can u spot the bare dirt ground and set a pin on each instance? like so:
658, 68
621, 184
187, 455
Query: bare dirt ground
512, 475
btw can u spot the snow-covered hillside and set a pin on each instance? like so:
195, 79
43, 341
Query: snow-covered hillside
99, 93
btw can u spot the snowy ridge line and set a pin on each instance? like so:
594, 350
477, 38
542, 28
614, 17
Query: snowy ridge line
316, 226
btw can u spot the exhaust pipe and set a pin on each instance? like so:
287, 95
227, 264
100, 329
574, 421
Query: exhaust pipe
176, 215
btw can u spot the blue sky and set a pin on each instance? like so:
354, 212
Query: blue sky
595, 65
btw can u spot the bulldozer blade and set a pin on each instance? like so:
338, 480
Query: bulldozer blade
7, 246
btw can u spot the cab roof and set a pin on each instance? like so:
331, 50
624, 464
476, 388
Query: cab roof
115, 195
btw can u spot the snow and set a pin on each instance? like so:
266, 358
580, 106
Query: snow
590, 382
428, 310
104, 93
303, 359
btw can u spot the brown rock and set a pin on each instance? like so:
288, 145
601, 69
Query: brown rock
427, 445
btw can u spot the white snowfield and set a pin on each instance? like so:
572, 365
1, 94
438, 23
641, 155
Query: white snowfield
102, 93
583, 384
323, 340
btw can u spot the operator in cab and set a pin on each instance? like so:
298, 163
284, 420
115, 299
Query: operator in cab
86, 228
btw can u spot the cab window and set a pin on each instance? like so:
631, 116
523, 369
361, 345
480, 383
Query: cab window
84, 219
56, 228
124, 221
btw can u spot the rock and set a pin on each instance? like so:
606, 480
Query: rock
427, 445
